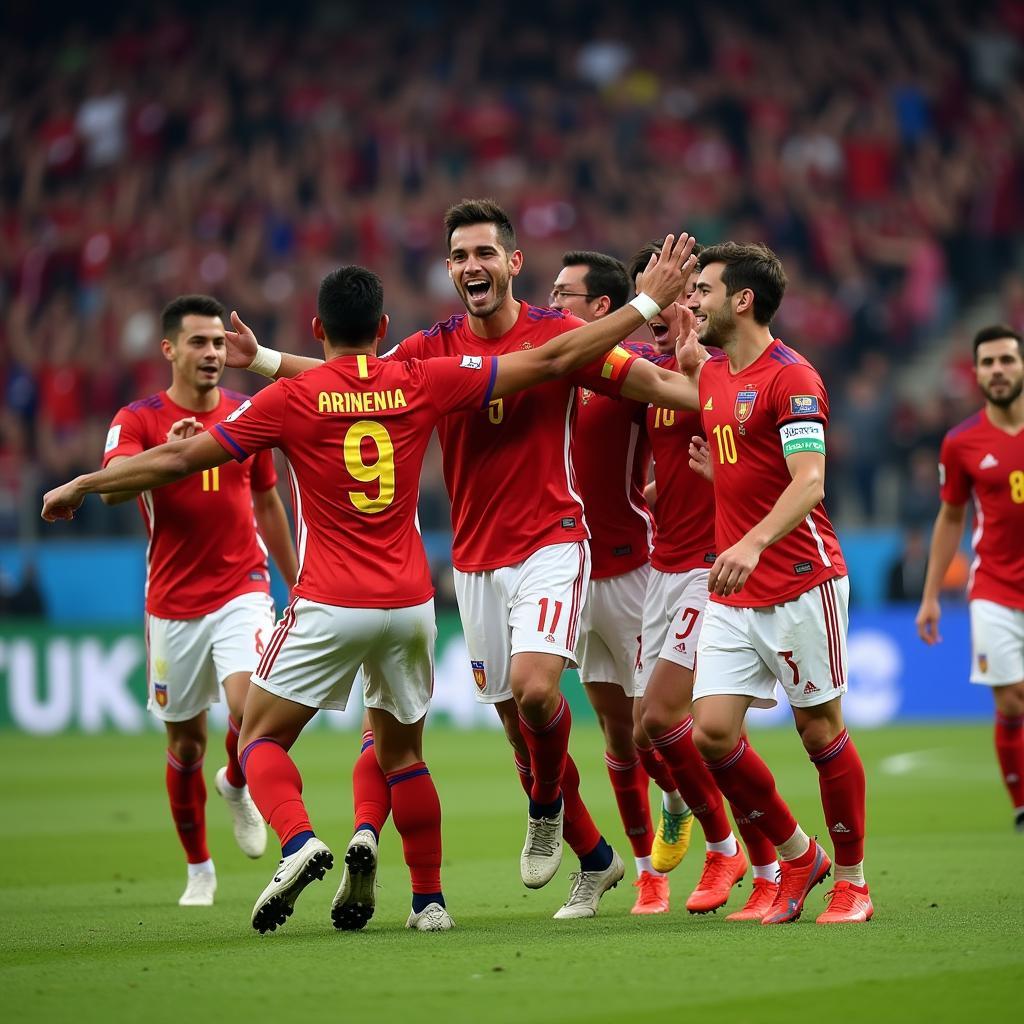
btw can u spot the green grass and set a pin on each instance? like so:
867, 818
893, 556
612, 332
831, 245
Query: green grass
92, 872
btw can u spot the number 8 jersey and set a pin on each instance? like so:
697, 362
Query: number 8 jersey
753, 421
354, 431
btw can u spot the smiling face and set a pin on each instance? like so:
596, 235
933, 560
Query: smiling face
481, 269
197, 353
716, 319
661, 331
1000, 371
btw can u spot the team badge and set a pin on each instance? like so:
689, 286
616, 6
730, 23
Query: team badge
160, 694
479, 675
982, 662
803, 405
744, 405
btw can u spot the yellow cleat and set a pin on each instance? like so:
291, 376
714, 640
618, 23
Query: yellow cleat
671, 841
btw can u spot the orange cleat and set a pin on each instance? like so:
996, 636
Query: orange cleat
847, 904
795, 882
759, 902
652, 895
720, 874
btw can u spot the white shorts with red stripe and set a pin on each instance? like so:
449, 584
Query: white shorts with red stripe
533, 606
317, 650
801, 644
609, 645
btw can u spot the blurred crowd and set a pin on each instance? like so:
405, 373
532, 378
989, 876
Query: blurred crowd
243, 151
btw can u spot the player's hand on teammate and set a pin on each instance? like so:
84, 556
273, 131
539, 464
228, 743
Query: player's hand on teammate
690, 353
733, 567
61, 502
666, 274
927, 621
186, 427
700, 457
241, 343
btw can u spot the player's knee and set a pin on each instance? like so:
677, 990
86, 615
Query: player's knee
537, 702
713, 740
187, 749
618, 739
817, 733
656, 719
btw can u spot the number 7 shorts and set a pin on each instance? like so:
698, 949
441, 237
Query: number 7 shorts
532, 606
801, 644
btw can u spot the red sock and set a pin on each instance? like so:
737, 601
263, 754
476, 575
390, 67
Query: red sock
841, 780
746, 782
370, 794
1010, 751
187, 792
630, 786
549, 746
694, 782
525, 776
276, 788
656, 768
235, 776
579, 831
760, 850
417, 813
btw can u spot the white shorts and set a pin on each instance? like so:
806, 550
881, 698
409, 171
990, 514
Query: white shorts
318, 649
533, 606
673, 614
997, 644
609, 644
188, 659
801, 643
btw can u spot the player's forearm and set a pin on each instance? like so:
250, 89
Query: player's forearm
292, 365
657, 386
945, 541
585, 344
804, 492
153, 468
272, 524
119, 497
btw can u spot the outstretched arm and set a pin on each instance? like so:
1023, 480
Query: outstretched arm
272, 522
949, 528
153, 468
246, 353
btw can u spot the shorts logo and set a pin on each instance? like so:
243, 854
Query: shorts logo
982, 662
260, 645
479, 675
160, 694
681, 648
803, 405
472, 362
113, 437
744, 405
550, 638
810, 688
238, 412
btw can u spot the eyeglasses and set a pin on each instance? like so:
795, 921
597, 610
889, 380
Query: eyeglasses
557, 294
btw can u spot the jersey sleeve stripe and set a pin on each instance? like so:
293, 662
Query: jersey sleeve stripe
232, 445
490, 384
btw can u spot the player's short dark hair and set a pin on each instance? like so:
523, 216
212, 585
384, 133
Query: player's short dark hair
638, 264
188, 305
754, 266
996, 332
479, 211
350, 303
605, 275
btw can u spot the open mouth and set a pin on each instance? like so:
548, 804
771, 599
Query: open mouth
659, 330
478, 290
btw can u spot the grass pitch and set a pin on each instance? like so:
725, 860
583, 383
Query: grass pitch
92, 872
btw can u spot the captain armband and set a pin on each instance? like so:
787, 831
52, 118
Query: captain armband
802, 436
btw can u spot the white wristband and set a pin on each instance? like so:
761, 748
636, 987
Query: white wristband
266, 362
645, 306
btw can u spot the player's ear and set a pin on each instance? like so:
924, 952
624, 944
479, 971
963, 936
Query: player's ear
448, 264
318, 329
745, 301
167, 348
382, 327
515, 262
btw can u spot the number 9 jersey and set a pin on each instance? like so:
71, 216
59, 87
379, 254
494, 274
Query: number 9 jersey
354, 431
754, 420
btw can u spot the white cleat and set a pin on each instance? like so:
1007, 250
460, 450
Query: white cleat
293, 874
587, 889
250, 829
432, 918
200, 890
542, 852
353, 905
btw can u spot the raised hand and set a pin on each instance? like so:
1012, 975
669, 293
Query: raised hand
241, 343
666, 274
690, 353
186, 427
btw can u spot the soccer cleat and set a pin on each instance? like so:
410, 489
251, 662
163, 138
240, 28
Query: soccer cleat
795, 882
587, 889
847, 903
1018, 821
250, 829
354, 903
293, 874
671, 841
652, 897
199, 890
720, 874
759, 902
432, 918
542, 852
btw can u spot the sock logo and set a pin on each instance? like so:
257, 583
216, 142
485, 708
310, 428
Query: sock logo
840, 828
753, 815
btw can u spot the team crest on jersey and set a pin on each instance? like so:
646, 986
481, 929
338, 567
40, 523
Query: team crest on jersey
479, 675
160, 694
982, 662
586, 395
744, 405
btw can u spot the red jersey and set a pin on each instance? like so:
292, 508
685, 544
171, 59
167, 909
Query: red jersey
203, 546
610, 452
743, 414
508, 468
354, 431
979, 459
685, 510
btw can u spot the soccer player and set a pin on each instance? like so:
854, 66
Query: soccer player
611, 454
677, 592
983, 458
208, 609
355, 429
779, 591
521, 561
